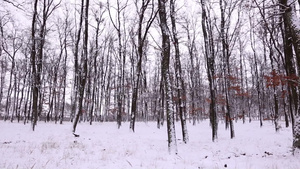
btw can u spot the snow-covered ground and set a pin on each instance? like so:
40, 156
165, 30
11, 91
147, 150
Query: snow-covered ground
102, 145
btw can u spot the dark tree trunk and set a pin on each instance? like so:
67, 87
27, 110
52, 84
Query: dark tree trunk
142, 34
292, 37
172, 145
84, 60
227, 73
178, 75
210, 62
35, 91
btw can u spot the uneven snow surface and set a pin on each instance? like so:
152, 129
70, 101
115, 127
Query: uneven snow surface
102, 145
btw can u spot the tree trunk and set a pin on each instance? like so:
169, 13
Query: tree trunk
35, 91
172, 145
210, 62
178, 75
226, 56
291, 24
2, 62
83, 67
140, 52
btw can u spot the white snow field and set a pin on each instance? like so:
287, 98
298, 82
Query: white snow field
102, 145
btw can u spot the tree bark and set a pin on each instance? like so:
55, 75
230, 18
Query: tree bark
142, 34
227, 73
35, 91
291, 24
172, 145
210, 62
178, 75
83, 67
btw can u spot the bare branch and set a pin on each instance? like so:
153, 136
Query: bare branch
17, 5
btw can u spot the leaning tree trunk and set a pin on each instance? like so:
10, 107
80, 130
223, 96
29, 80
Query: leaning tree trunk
140, 52
292, 24
83, 67
172, 145
210, 62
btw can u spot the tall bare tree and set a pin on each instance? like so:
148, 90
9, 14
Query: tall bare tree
141, 37
121, 55
291, 25
35, 91
172, 144
82, 79
181, 91
210, 62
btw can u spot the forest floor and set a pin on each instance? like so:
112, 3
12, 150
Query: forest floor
102, 145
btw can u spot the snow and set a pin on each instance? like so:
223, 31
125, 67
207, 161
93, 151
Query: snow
294, 17
102, 145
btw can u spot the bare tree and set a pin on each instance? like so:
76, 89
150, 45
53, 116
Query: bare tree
172, 145
181, 91
210, 62
83, 62
292, 29
98, 15
11, 45
141, 36
228, 41
2, 60
121, 55
37, 47
35, 90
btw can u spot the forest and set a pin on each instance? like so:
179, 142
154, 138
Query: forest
165, 61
